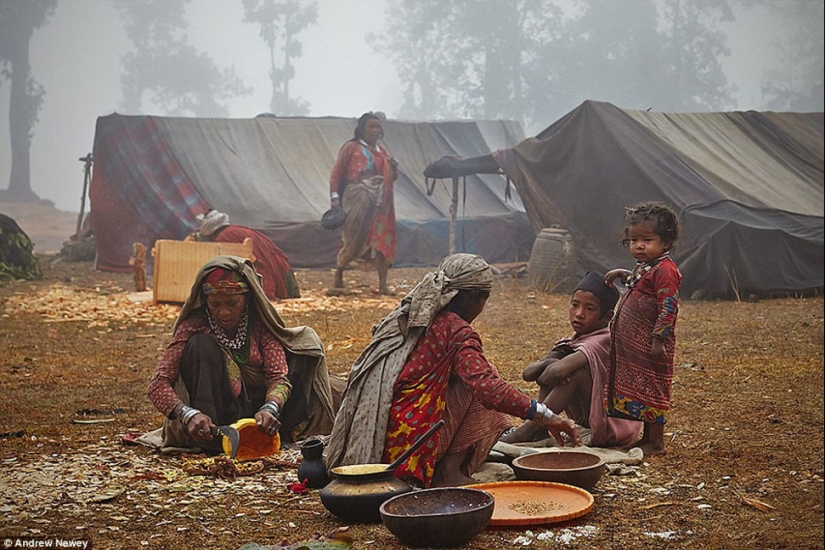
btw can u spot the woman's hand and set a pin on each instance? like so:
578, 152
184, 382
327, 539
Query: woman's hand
267, 423
334, 202
557, 425
200, 427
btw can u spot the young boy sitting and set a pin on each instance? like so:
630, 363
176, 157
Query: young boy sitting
573, 375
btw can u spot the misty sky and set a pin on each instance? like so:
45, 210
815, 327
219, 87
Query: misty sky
76, 57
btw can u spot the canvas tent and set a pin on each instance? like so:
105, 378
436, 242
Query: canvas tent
153, 175
748, 187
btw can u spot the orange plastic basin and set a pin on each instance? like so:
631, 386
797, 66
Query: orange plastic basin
253, 444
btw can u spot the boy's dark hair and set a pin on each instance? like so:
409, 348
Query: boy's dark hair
665, 223
593, 282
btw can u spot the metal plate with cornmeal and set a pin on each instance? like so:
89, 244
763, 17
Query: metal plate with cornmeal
535, 502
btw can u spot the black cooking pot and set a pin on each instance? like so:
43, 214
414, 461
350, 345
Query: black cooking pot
357, 492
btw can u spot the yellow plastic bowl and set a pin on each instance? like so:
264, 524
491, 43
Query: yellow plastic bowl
253, 444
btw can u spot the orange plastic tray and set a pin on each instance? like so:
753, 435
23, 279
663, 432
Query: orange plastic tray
535, 502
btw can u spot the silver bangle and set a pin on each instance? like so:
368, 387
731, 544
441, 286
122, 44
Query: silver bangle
186, 414
333, 195
543, 411
271, 407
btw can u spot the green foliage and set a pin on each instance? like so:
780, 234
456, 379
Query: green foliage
466, 58
692, 75
17, 259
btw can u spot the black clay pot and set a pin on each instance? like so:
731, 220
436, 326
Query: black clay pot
313, 467
358, 491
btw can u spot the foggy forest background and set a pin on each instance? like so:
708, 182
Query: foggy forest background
526, 60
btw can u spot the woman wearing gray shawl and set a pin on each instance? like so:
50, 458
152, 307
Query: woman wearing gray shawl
424, 364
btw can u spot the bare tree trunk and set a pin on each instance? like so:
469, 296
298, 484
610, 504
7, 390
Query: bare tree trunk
20, 130
273, 103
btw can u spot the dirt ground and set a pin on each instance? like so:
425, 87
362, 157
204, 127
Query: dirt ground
744, 466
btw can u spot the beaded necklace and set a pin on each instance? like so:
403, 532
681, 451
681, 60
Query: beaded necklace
236, 343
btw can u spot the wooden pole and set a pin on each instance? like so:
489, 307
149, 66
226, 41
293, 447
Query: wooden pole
87, 170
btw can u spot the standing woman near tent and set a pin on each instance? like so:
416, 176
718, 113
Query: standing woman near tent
642, 332
362, 183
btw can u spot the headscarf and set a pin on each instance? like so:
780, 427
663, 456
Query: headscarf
593, 282
361, 424
212, 221
438, 288
224, 280
304, 349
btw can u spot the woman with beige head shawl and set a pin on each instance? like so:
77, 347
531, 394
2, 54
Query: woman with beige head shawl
425, 363
231, 356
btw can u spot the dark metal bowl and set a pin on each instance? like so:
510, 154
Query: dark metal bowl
438, 518
580, 468
333, 218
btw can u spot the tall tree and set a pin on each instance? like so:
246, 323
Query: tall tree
797, 83
466, 57
534, 60
610, 51
18, 21
418, 36
179, 79
694, 45
639, 54
281, 21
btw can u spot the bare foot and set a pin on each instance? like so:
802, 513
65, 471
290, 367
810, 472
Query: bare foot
338, 292
527, 432
387, 291
651, 449
639, 443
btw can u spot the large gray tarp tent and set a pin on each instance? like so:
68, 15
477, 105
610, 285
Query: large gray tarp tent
748, 187
153, 175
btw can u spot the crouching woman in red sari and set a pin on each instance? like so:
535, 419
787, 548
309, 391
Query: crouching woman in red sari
425, 363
